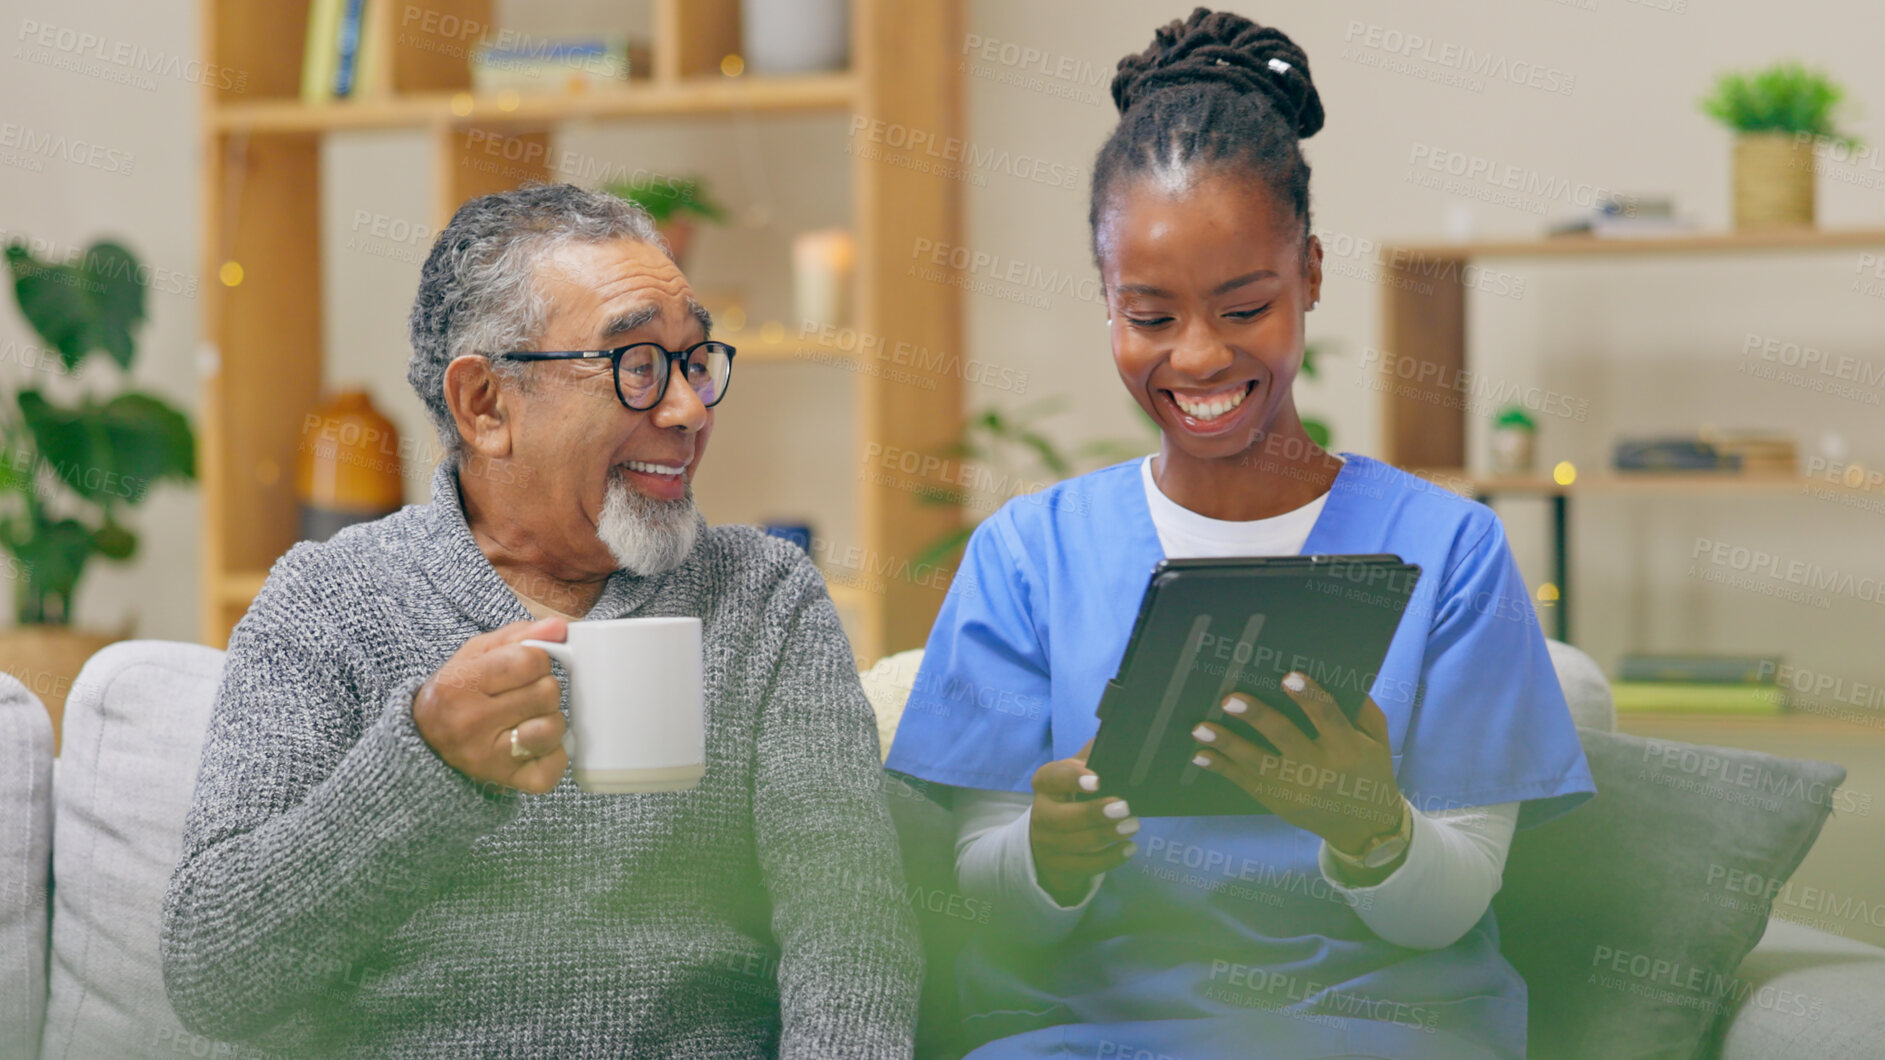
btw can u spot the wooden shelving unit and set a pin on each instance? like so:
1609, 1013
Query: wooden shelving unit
1628, 484
261, 195
1423, 316
1424, 307
1650, 483
700, 95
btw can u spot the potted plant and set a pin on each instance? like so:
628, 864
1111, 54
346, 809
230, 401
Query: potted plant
68, 473
1776, 114
1513, 433
674, 203
1020, 459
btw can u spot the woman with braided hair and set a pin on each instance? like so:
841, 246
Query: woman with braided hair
1355, 919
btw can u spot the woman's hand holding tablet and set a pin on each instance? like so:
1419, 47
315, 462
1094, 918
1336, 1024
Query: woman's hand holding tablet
1075, 840
1338, 783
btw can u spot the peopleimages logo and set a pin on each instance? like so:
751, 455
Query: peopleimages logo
1502, 183
1473, 66
1474, 390
82, 51
1761, 564
956, 158
22, 146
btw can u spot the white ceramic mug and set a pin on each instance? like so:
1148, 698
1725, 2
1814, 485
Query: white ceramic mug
637, 721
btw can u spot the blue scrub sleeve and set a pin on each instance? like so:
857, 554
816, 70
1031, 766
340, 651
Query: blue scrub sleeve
978, 714
1490, 723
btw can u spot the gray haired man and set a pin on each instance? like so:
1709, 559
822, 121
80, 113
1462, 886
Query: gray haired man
386, 855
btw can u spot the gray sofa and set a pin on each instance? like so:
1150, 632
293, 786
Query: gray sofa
87, 844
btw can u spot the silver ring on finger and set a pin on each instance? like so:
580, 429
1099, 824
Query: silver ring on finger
517, 748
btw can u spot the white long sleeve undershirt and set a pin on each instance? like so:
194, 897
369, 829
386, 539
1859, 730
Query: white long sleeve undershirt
1453, 867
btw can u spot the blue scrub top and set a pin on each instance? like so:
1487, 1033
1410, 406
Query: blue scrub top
1221, 937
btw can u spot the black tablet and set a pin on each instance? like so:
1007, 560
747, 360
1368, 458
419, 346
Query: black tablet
1210, 627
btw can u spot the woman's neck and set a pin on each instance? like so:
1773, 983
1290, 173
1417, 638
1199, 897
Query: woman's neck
1278, 473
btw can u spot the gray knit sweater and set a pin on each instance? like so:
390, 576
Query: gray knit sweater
343, 891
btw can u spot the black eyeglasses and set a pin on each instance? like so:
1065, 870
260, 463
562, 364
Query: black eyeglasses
642, 369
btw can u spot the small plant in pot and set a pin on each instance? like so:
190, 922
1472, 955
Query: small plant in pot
676, 204
1778, 115
1513, 434
70, 472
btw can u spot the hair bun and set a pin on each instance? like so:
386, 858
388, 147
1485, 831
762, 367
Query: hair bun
1218, 47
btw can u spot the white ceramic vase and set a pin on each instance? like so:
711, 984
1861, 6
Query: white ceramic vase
795, 36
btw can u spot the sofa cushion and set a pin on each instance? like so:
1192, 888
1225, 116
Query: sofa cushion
888, 682
1586, 690
134, 728
25, 864
1629, 917
1809, 994
887, 685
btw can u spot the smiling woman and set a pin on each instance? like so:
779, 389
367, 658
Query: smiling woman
1108, 937
1201, 229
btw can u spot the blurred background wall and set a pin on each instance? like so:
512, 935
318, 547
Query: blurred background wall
1649, 344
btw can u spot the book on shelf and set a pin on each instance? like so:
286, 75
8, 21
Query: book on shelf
343, 57
1627, 217
320, 52
371, 68
1759, 452
1733, 452
347, 48
1697, 697
548, 65
1671, 454
1699, 669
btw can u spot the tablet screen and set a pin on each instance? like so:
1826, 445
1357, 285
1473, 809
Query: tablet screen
1207, 628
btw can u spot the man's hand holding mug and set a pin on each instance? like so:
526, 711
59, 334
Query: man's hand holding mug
491, 712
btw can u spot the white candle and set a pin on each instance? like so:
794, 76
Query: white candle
822, 262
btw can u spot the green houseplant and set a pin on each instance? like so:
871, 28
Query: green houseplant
1513, 434
1777, 114
675, 204
1019, 459
69, 472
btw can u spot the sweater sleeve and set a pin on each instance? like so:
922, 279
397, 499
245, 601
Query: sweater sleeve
849, 966
321, 821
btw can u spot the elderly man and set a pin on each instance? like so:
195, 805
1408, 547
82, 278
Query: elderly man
387, 855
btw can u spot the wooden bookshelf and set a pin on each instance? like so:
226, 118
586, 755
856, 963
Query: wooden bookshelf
1632, 246
696, 96
1423, 422
1651, 483
1424, 304
261, 152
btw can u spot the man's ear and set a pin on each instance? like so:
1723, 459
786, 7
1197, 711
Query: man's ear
480, 407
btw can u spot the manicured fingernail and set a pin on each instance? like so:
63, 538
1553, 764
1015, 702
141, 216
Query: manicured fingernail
1116, 810
1201, 761
1128, 826
1089, 782
1233, 705
1130, 849
1203, 735
1293, 681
